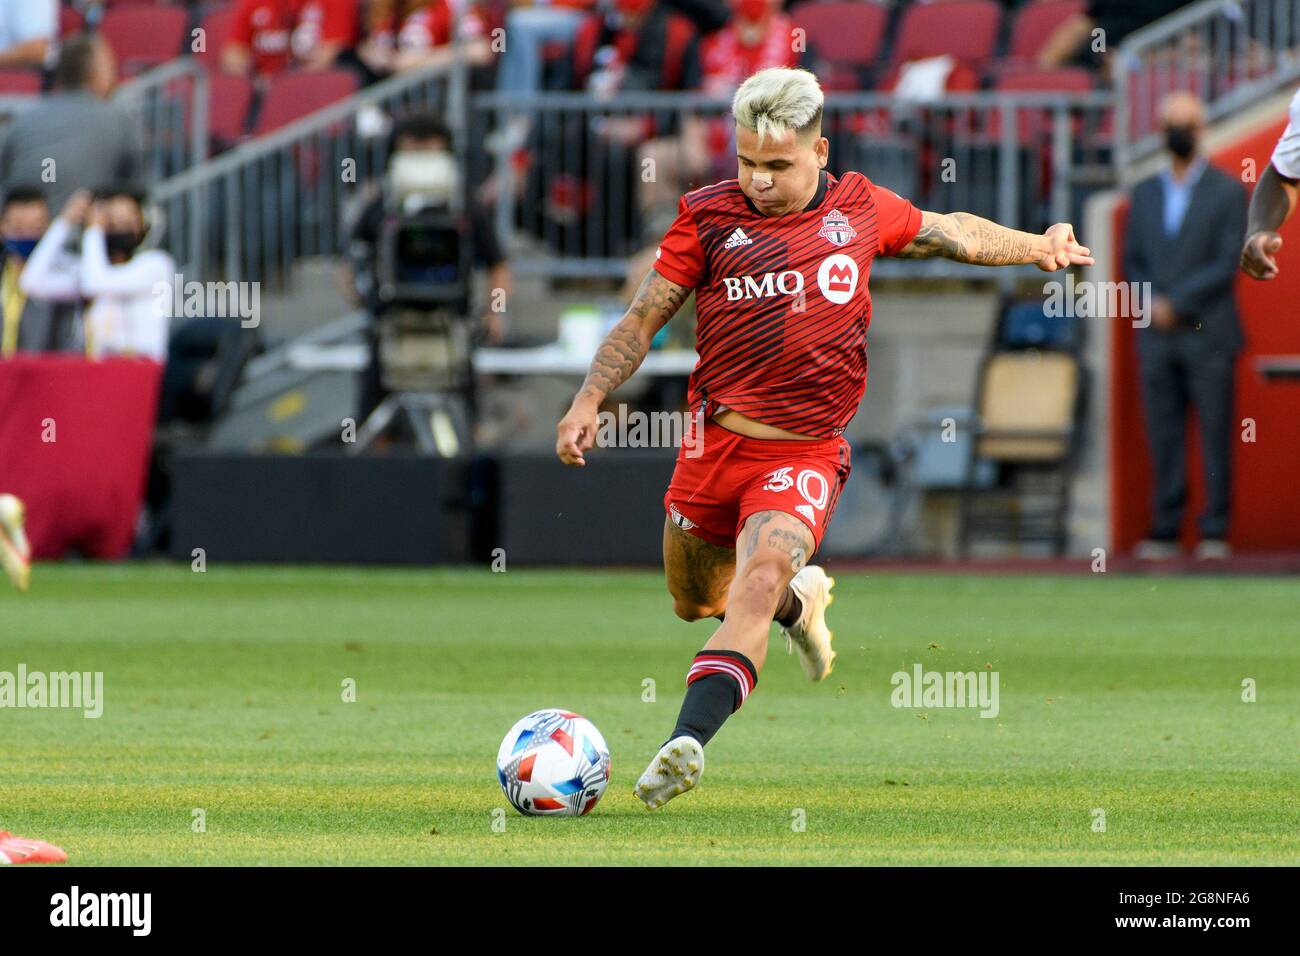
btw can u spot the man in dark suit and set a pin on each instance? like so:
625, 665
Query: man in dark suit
27, 324
1184, 238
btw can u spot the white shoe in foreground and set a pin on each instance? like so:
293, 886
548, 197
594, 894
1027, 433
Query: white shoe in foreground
15, 552
675, 769
810, 634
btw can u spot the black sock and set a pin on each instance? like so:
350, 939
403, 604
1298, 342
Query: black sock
716, 686
789, 610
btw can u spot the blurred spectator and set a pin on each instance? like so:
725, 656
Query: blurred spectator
267, 36
757, 37
645, 46
72, 139
405, 34
417, 134
27, 28
528, 28
122, 283
29, 325
1182, 242
1073, 41
707, 15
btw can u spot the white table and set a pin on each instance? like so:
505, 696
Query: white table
555, 360
545, 360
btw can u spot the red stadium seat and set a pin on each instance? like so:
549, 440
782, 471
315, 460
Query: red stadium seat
20, 82
846, 35
70, 21
145, 36
292, 96
1035, 22
1072, 79
1034, 125
216, 26
966, 30
230, 100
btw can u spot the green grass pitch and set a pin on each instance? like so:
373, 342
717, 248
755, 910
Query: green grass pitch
224, 693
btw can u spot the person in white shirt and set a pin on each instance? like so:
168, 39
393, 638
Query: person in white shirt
126, 290
1274, 201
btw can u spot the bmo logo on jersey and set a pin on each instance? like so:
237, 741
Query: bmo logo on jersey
769, 284
838, 278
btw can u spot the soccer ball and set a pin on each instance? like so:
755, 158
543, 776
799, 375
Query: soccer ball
553, 763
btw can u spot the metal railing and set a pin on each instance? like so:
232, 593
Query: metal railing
589, 200
249, 213
1228, 52
170, 106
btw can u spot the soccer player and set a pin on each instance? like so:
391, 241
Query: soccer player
778, 259
1273, 201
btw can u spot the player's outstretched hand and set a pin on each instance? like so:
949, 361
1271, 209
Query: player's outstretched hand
1257, 255
1063, 249
576, 433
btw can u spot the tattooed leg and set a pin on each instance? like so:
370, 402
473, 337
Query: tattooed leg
698, 573
770, 545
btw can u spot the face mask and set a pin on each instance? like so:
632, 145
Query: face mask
751, 9
22, 248
121, 243
1181, 140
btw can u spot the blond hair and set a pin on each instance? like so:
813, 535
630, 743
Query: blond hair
778, 99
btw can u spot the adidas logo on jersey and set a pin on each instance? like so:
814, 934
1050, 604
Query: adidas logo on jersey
737, 238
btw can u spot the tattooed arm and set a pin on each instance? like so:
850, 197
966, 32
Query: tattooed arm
964, 237
618, 357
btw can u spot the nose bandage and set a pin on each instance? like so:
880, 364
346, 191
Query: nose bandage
764, 178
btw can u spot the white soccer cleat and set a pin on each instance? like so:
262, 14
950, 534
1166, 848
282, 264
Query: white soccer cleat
810, 634
15, 552
675, 769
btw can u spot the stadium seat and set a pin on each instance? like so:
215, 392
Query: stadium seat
966, 30
20, 82
144, 36
1029, 400
1034, 24
292, 96
1033, 125
215, 25
1026, 405
70, 20
847, 36
230, 100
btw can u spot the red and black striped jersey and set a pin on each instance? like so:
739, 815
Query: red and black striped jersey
781, 301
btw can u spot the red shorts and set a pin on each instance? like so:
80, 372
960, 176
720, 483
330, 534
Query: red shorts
719, 482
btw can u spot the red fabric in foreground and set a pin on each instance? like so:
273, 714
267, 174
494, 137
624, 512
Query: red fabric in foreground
83, 490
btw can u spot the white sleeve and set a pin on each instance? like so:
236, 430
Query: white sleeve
1286, 155
151, 328
49, 275
138, 276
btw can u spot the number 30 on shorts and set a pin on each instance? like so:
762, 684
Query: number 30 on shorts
811, 484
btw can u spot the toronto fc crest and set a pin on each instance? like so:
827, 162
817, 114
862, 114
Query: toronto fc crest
836, 228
